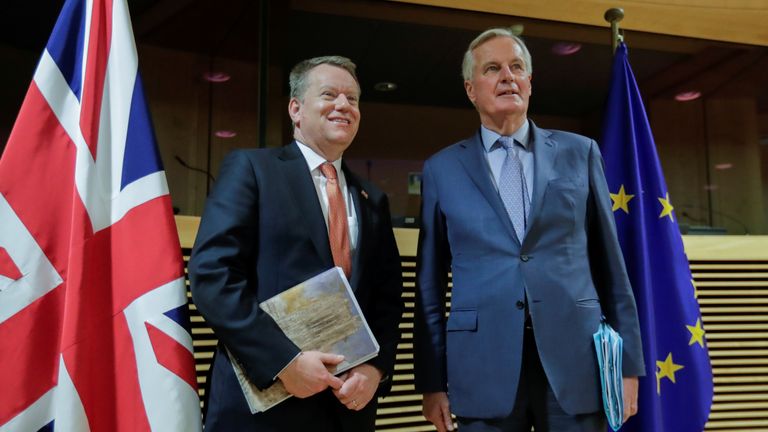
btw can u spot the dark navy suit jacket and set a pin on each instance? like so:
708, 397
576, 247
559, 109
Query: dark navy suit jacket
569, 267
261, 233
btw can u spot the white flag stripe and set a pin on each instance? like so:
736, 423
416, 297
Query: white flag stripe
61, 404
38, 274
104, 206
69, 413
162, 390
119, 82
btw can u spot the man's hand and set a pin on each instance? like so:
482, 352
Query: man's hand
630, 397
308, 373
360, 384
437, 410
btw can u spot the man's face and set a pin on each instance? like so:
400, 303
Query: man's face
328, 117
500, 85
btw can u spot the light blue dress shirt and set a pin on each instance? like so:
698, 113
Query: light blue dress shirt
495, 154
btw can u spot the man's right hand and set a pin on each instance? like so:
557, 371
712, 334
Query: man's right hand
308, 374
437, 410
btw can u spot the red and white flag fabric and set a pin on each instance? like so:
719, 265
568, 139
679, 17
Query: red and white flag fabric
93, 325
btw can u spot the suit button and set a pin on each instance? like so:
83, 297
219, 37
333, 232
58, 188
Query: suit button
524, 258
520, 304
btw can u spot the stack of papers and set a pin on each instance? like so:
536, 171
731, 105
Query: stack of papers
609, 347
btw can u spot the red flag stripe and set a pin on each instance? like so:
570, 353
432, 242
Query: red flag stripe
31, 339
103, 369
100, 38
42, 189
172, 355
7, 267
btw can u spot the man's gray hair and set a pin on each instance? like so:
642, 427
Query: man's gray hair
298, 77
468, 65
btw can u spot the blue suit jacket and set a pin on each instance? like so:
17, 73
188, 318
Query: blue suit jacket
263, 232
569, 265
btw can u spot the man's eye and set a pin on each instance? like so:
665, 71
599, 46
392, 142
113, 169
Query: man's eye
493, 68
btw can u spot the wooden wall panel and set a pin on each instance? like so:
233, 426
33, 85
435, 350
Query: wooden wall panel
740, 21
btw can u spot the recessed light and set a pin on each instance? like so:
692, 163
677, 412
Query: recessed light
566, 48
687, 96
225, 133
216, 77
723, 166
385, 86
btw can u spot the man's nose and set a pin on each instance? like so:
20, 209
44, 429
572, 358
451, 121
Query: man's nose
342, 101
506, 74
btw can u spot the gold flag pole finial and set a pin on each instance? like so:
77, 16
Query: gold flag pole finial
613, 16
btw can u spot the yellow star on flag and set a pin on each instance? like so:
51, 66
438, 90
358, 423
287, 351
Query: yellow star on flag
667, 207
620, 200
697, 334
666, 369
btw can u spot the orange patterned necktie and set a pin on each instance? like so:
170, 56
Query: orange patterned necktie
338, 231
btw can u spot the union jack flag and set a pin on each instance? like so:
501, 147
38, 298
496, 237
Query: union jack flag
93, 331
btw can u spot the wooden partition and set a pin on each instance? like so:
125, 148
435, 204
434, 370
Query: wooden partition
731, 277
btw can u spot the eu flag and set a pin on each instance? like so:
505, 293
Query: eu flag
676, 396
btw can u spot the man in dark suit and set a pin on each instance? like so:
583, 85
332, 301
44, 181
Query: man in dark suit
275, 218
521, 216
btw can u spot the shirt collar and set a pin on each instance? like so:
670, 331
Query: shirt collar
490, 137
314, 160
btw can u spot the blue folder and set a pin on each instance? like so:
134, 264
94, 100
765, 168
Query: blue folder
609, 347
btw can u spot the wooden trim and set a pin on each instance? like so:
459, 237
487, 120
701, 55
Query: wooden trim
739, 21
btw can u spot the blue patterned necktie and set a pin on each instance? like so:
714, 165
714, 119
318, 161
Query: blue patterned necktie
512, 187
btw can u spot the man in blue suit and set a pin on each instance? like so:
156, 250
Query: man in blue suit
521, 217
275, 218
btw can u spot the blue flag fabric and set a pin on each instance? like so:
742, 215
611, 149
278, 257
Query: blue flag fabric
676, 395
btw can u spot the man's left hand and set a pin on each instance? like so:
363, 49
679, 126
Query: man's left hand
360, 384
630, 397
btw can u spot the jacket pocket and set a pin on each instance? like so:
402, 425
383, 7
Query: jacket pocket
588, 302
462, 320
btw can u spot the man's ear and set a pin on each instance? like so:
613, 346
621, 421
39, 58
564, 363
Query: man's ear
470, 89
294, 110
530, 81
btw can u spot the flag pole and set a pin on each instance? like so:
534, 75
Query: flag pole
613, 16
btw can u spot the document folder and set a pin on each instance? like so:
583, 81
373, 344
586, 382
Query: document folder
609, 347
319, 314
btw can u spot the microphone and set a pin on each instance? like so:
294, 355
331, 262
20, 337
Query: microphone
200, 170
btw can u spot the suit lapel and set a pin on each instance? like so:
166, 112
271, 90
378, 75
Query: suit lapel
475, 163
304, 197
363, 223
544, 154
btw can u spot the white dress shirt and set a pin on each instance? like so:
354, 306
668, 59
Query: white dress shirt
314, 161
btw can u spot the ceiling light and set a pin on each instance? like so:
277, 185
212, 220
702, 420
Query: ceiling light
566, 48
723, 166
687, 96
216, 77
385, 86
225, 133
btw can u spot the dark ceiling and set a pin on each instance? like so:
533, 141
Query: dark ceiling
418, 48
